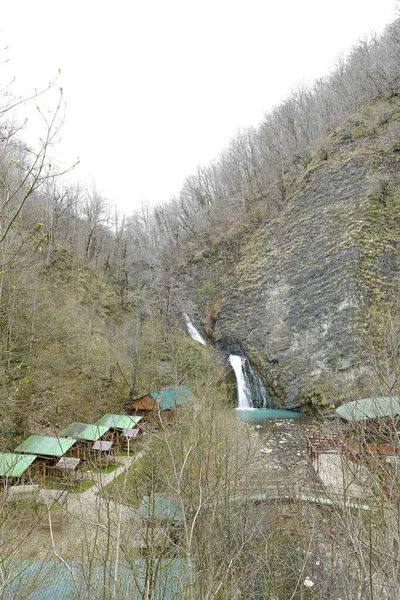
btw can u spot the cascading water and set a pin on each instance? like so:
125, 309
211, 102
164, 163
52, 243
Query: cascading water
243, 393
251, 393
193, 331
250, 389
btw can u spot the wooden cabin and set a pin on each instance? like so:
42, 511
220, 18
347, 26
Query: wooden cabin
365, 436
85, 435
123, 429
84, 578
47, 449
159, 407
19, 469
376, 414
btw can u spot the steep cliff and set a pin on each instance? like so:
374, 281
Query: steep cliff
296, 293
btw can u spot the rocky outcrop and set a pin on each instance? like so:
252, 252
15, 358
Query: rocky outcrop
294, 293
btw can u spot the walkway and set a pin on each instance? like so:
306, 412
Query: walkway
93, 524
101, 480
341, 477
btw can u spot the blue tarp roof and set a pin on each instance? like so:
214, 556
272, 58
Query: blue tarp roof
170, 397
160, 508
51, 580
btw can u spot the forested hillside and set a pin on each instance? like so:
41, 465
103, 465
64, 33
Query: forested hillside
298, 203
285, 248
84, 320
288, 244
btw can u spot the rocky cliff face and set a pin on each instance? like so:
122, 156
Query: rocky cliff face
294, 293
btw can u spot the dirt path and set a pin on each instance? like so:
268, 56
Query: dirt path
93, 526
101, 480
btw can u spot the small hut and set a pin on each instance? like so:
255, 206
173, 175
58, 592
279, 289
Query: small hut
122, 427
19, 468
85, 434
364, 440
159, 406
48, 449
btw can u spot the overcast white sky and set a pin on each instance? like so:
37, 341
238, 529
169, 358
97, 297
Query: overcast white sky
156, 87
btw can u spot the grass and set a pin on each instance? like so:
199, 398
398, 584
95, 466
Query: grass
125, 487
106, 469
80, 486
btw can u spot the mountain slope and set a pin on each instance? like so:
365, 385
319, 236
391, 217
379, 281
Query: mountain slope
296, 294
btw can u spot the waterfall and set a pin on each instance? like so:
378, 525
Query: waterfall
250, 389
193, 331
243, 393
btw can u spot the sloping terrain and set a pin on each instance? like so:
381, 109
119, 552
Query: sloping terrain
63, 333
297, 293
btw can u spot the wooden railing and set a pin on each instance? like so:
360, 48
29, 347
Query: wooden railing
318, 442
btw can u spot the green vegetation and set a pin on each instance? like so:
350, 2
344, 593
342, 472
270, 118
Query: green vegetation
127, 486
77, 487
206, 290
288, 244
109, 468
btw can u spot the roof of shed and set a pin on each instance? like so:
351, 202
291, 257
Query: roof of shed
85, 431
370, 408
102, 446
14, 465
168, 398
130, 433
66, 462
160, 507
45, 445
119, 421
36, 580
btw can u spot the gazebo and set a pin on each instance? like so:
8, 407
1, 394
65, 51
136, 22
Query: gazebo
67, 468
19, 468
123, 428
85, 434
47, 449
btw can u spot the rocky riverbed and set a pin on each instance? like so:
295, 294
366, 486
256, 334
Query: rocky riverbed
283, 443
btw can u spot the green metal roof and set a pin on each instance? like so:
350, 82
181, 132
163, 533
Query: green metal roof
369, 408
50, 580
160, 508
85, 431
45, 445
15, 465
119, 421
170, 397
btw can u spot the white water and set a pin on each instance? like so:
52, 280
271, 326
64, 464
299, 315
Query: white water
243, 392
193, 331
